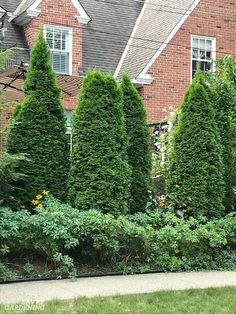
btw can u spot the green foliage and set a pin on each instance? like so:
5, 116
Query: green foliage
58, 232
9, 175
29, 270
139, 148
196, 168
100, 174
151, 240
223, 86
39, 130
195, 245
5, 273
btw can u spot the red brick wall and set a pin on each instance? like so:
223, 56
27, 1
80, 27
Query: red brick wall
171, 71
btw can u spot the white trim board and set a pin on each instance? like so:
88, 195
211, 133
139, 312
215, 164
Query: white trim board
168, 39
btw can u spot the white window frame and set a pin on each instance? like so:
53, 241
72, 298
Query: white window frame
69, 129
70, 43
213, 39
70, 142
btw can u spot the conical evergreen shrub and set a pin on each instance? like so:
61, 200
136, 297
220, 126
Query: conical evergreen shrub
100, 174
196, 178
139, 145
39, 130
224, 92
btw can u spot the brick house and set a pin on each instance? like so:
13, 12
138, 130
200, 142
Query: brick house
159, 42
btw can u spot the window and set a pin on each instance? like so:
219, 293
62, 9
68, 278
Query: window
203, 52
69, 128
60, 44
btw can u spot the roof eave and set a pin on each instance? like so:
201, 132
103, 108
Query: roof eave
143, 80
25, 17
83, 19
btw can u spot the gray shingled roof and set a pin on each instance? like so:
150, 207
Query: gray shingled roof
105, 37
157, 20
10, 5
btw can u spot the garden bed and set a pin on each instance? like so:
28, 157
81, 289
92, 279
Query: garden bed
40, 270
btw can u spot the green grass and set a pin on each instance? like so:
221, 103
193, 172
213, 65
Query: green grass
210, 301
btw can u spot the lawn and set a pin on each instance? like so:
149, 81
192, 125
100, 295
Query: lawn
214, 301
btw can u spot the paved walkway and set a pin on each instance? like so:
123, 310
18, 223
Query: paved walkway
40, 291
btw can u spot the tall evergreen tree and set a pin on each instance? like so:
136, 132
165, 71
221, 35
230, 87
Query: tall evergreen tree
224, 100
139, 147
100, 174
39, 130
196, 176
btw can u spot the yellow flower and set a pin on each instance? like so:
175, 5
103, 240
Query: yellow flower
189, 198
177, 186
35, 202
162, 201
40, 206
45, 192
39, 196
149, 191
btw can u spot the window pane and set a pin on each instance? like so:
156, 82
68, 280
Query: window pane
57, 39
56, 64
208, 66
195, 43
195, 53
202, 44
209, 45
202, 54
194, 66
202, 66
209, 55
49, 37
65, 40
64, 63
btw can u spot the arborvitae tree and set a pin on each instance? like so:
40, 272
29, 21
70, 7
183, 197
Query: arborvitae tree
100, 174
224, 92
39, 130
196, 178
139, 146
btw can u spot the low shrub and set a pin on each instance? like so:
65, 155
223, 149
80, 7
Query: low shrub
195, 244
57, 231
152, 240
